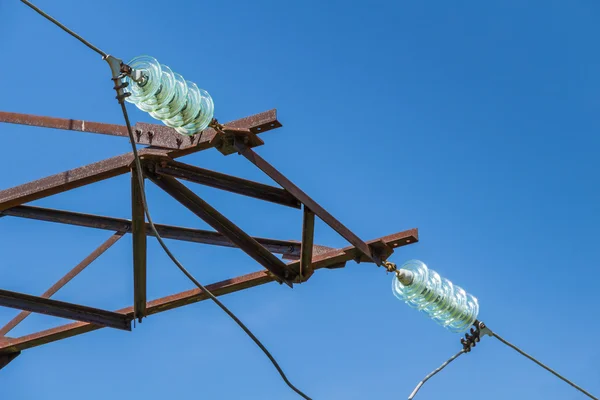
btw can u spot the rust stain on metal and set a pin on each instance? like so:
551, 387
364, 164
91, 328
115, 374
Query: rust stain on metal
149, 134
63, 123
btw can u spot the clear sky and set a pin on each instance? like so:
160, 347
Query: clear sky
477, 123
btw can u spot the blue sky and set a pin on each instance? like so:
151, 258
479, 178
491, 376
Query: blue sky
476, 123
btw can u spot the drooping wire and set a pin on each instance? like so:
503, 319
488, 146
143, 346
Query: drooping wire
544, 366
140, 174
186, 272
435, 371
64, 28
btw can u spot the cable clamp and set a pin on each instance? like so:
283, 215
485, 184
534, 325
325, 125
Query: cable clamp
474, 336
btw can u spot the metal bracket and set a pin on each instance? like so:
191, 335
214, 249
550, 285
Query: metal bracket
228, 136
5, 359
474, 336
483, 329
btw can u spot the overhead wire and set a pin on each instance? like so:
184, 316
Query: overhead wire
506, 342
160, 240
435, 371
473, 339
64, 28
187, 273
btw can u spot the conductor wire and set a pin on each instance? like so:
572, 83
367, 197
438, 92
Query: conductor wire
544, 366
140, 174
138, 166
435, 371
64, 28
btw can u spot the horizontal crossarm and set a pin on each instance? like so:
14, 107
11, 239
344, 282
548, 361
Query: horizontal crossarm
26, 302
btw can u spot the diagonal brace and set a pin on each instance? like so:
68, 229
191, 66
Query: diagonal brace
369, 252
227, 228
64, 280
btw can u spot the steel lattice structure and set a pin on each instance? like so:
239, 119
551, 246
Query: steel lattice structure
164, 146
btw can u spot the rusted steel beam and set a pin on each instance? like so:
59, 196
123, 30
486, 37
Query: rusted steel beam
226, 182
148, 134
331, 259
163, 136
65, 181
22, 301
119, 165
64, 280
308, 234
63, 123
221, 224
351, 253
153, 307
285, 183
138, 230
289, 248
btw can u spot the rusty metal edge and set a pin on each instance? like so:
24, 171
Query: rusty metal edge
145, 134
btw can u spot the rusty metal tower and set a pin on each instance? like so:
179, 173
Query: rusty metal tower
164, 146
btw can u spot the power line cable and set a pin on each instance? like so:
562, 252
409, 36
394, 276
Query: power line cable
160, 240
435, 371
543, 366
64, 28
470, 341
187, 273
